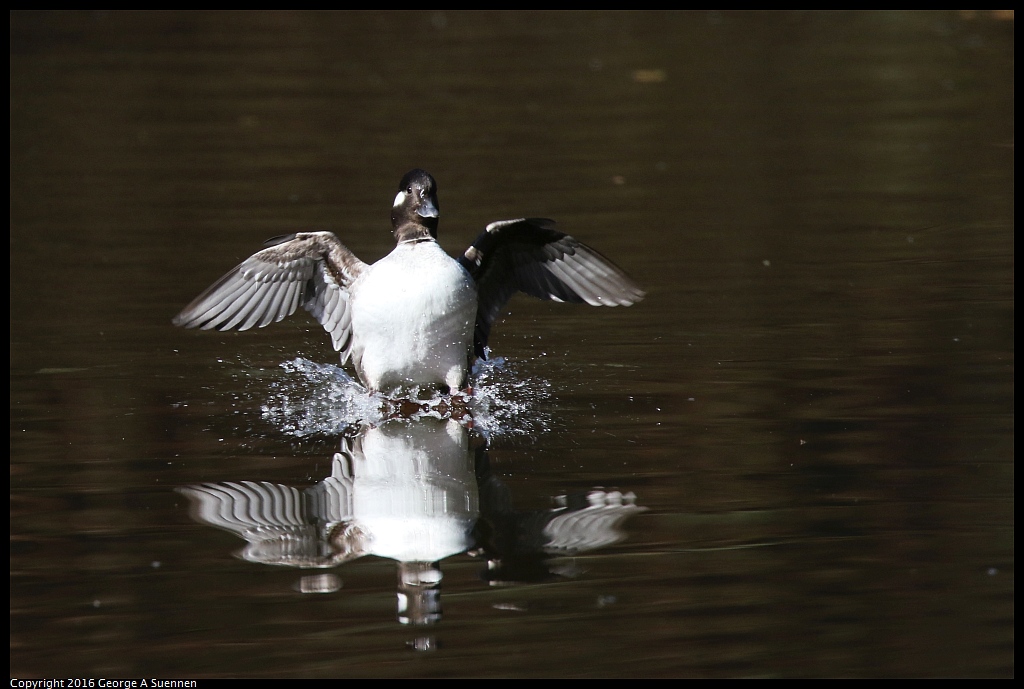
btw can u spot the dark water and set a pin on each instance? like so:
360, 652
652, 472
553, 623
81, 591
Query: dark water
794, 458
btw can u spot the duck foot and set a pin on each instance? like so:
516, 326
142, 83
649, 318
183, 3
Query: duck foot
448, 407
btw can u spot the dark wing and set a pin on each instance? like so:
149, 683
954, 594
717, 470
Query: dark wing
313, 269
528, 255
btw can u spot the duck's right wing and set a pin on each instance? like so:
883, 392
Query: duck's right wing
313, 269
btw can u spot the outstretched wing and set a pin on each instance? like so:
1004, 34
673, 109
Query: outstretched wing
312, 269
528, 255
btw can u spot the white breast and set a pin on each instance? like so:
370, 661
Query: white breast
413, 314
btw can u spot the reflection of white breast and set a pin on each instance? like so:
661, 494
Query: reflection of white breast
414, 492
412, 319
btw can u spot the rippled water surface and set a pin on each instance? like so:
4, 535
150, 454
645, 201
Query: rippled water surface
793, 458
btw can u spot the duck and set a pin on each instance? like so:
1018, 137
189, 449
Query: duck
416, 318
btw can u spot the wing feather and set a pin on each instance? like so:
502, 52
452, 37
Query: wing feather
313, 269
528, 255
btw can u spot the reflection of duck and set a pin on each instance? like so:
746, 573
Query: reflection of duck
410, 492
416, 316
416, 493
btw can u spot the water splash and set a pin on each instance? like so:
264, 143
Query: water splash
322, 399
507, 402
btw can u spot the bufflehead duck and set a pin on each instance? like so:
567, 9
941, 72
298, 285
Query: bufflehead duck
416, 316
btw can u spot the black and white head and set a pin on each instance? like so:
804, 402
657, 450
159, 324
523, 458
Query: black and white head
415, 207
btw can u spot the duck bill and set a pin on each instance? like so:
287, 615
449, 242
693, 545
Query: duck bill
428, 209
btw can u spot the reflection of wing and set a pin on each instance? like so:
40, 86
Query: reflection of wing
527, 255
282, 524
247, 508
313, 269
592, 527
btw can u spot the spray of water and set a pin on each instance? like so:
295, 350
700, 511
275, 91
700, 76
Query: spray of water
322, 399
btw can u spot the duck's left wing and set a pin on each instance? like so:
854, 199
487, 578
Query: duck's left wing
529, 255
313, 269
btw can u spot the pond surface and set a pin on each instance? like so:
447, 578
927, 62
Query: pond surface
793, 458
